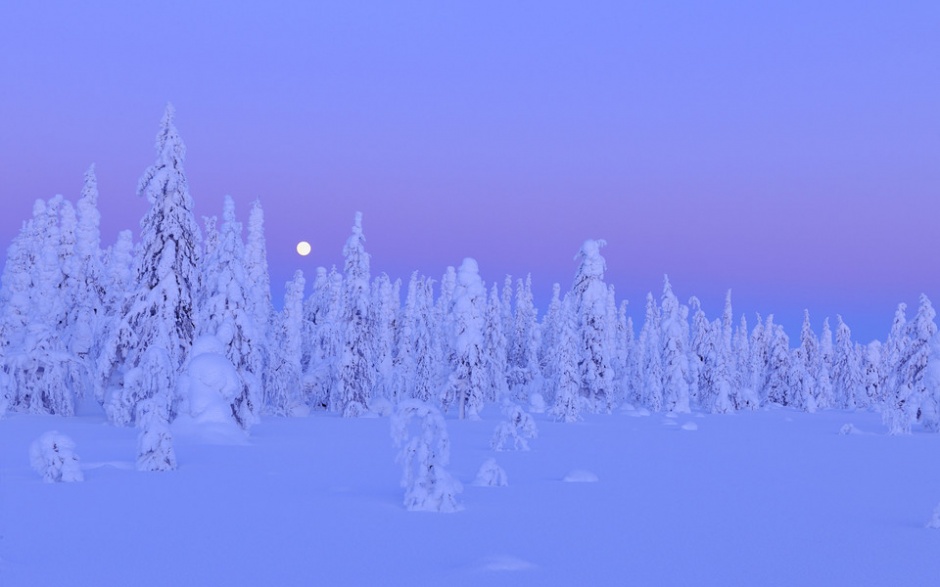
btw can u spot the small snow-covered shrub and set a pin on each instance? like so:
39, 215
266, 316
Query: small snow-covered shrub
518, 429
491, 475
381, 407
154, 442
354, 409
421, 433
53, 457
537, 403
849, 429
935, 520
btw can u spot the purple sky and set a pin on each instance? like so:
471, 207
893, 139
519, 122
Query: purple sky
789, 151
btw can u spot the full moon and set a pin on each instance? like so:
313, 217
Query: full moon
303, 248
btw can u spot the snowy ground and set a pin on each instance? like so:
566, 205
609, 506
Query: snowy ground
767, 498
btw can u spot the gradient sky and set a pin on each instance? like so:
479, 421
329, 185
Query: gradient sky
788, 150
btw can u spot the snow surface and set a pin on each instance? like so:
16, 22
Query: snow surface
772, 497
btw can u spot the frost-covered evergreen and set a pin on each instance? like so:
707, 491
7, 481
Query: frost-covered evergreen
778, 363
566, 354
384, 310
522, 362
283, 376
514, 432
494, 349
914, 395
674, 353
160, 312
492, 475
226, 312
802, 392
353, 389
650, 368
846, 368
467, 384
420, 432
154, 441
53, 456
86, 319
590, 299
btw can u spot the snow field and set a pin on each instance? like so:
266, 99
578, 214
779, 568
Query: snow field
774, 497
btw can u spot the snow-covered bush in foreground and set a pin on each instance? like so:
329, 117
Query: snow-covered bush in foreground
424, 454
155, 442
935, 520
518, 428
52, 456
491, 475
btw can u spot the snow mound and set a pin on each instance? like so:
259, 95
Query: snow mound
935, 521
849, 429
381, 407
212, 382
507, 563
690, 426
640, 413
491, 475
537, 403
670, 423
52, 456
580, 476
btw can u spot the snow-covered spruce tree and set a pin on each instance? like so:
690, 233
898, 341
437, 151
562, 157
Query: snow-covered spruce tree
282, 384
514, 432
154, 441
650, 369
494, 349
86, 316
492, 475
702, 354
674, 354
778, 363
825, 397
590, 298
384, 310
118, 272
550, 327
420, 432
802, 392
159, 313
619, 343
467, 384
872, 378
42, 374
227, 314
353, 390
322, 337
846, 368
745, 397
259, 280
431, 367
404, 361
53, 456
917, 395
523, 363
566, 355
210, 238
759, 345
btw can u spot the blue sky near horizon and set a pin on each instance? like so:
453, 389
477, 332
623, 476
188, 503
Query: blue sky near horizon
789, 151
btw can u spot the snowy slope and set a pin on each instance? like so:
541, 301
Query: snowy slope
774, 497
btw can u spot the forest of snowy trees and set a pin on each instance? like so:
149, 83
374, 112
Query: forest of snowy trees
182, 322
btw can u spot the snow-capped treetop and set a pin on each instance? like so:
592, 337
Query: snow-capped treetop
592, 265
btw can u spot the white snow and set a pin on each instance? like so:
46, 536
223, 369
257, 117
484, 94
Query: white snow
736, 503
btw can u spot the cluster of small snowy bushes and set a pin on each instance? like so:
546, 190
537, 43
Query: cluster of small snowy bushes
124, 323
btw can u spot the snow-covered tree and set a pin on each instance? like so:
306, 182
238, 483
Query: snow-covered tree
88, 313
420, 432
494, 348
492, 475
590, 299
523, 363
53, 456
802, 392
916, 397
650, 359
227, 313
160, 313
353, 389
566, 355
514, 432
846, 368
778, 363
154, 441
283, 376
384, 310
675, 358
467, 383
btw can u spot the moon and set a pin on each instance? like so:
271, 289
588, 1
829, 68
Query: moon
303, 248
